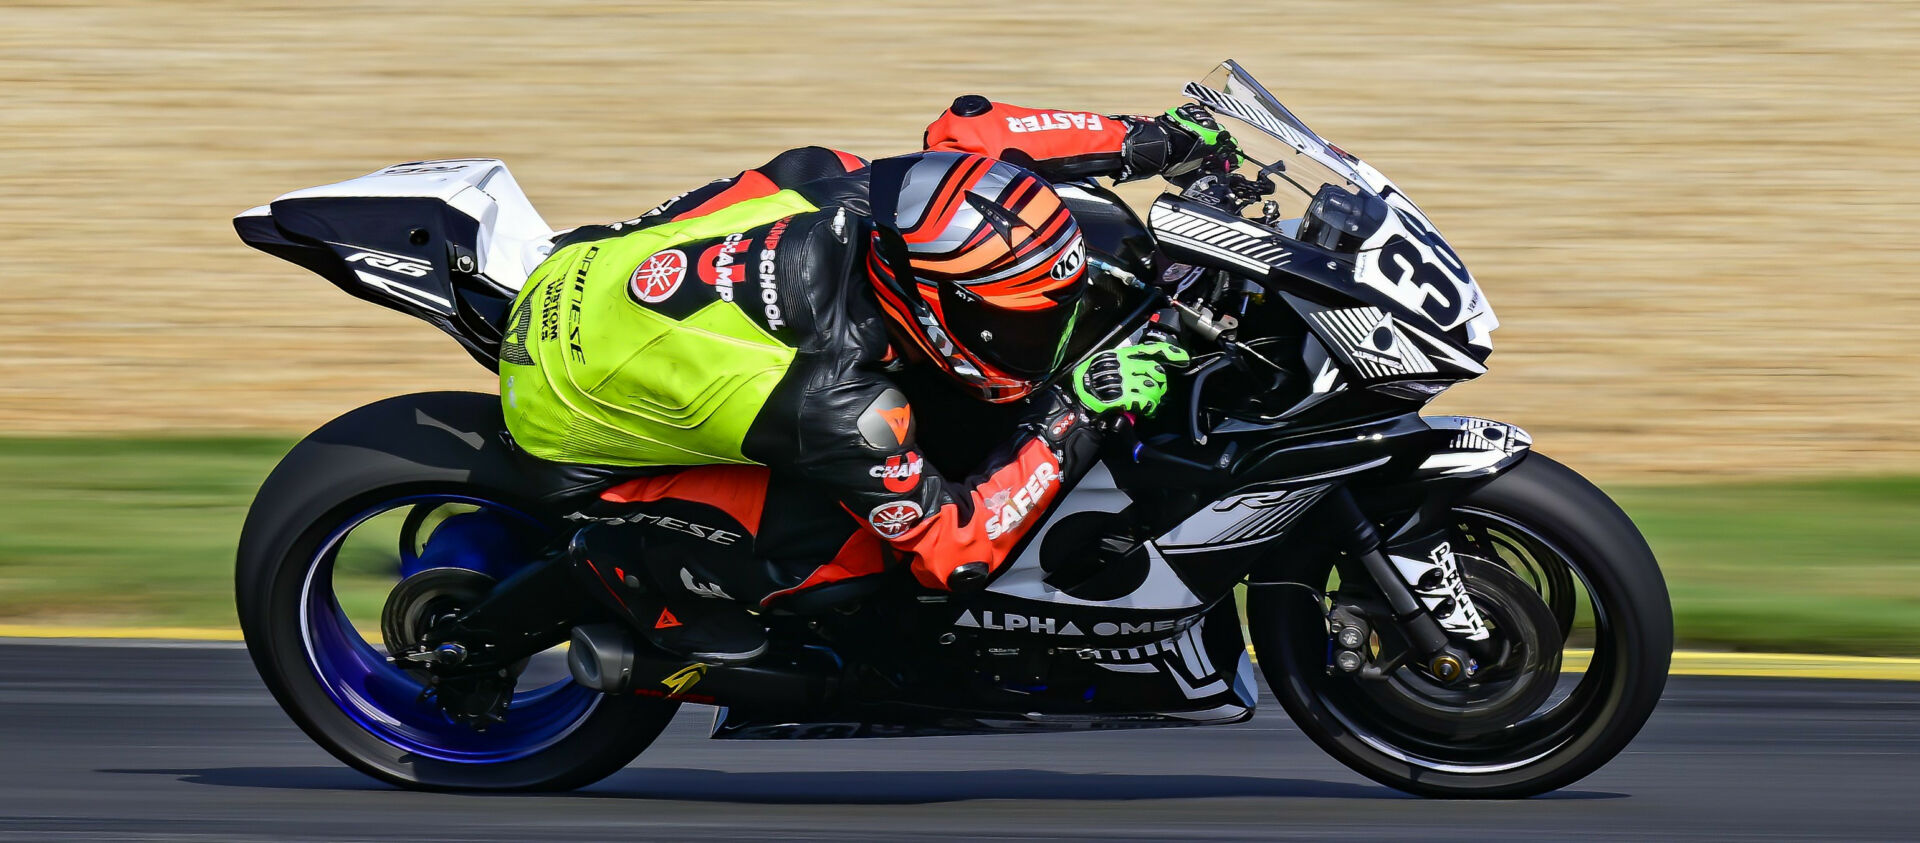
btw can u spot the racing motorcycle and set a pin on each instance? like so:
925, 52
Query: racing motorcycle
1435, 604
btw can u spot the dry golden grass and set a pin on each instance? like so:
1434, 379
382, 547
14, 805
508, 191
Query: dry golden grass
1695, 219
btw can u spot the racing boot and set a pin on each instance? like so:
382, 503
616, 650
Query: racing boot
674, 610
707, 631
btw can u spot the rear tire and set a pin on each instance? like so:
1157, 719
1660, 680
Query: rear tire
426, 444
1628, 672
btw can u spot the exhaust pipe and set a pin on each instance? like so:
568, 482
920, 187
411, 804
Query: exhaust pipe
604, 657
600, 656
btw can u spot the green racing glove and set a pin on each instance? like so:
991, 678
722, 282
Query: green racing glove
1131, 378
1196, 139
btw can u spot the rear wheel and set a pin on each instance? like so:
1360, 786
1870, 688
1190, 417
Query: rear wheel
335, 528
1585, 631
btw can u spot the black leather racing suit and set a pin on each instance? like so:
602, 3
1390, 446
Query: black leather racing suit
838, 436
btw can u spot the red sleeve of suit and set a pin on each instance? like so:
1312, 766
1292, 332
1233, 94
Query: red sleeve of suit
982, 521
859, 442
1041, 135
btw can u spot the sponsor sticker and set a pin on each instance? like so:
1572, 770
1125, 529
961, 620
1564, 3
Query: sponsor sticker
1061, 425
900, 473
887, 423
1054, 121
769, 283
421, 168
1070, 263
1008, 507
396, 264
701, 587
1016, 622
712, 534
719, 266
893, 519
899, 420
659, 276
684, 678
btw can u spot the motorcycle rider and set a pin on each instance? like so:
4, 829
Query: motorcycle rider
751, 329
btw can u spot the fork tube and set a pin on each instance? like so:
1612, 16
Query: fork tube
1364, 542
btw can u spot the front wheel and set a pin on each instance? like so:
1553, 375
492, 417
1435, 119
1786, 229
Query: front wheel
1602, 601
416, 488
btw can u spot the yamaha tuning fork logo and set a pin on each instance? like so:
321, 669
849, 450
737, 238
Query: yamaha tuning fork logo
658, 277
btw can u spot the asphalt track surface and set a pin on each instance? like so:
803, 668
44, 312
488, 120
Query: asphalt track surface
179, 742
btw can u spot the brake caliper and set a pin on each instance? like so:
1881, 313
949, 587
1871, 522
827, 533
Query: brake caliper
418, 606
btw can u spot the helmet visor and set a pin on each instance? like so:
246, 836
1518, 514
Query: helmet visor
1026, 343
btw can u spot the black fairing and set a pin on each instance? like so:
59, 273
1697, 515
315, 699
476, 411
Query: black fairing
413, 255
1115, 236
1112, 231
1313, 275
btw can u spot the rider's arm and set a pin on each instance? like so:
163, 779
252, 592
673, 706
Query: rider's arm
861, 444
857, 436
1063, 145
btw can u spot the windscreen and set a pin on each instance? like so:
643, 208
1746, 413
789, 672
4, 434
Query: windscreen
1406, 257
1231, 92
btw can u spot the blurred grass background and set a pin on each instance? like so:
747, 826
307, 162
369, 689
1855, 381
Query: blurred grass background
1694, 219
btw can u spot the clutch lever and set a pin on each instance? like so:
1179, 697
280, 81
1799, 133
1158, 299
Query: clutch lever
1200, 375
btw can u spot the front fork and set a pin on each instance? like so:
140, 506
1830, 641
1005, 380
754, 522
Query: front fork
1414, 591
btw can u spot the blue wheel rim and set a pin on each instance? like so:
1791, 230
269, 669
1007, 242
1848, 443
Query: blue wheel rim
386, 701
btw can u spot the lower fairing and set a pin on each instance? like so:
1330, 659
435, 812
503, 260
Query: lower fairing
1201, 677
1201, 674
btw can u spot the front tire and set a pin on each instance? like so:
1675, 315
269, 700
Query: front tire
1632, 640
334, 684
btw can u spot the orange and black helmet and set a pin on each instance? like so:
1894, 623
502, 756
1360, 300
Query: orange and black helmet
980, 264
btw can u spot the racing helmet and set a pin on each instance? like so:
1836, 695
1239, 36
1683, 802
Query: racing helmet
980, 265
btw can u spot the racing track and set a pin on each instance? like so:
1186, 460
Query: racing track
180, 742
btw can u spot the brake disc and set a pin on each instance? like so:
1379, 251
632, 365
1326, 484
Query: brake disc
425, 600
1516, 680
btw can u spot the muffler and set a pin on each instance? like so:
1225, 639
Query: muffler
600, 656
606, 658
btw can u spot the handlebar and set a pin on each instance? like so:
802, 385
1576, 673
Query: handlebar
1200, 323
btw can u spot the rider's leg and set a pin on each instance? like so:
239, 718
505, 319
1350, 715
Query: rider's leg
821, 557
651, 580
690, 558
675, 555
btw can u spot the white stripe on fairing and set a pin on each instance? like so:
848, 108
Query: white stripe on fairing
1445, 350
1190, 225
1236, 242
1200, 649
1186, 654
1358, 328
399, 289
1182, 223
359, 248
1215, 251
